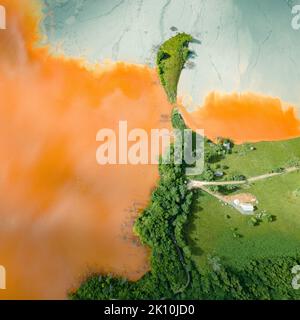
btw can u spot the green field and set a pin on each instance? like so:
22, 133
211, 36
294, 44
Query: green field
265, 157
211, 227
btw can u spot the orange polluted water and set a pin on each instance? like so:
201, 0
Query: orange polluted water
244, 117
62, 214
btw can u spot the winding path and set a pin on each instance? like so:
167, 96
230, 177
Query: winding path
193, 184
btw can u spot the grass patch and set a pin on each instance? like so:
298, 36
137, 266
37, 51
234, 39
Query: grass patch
263, 157
171, 58
212, 226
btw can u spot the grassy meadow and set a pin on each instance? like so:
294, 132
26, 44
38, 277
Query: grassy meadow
262, 157
211, 228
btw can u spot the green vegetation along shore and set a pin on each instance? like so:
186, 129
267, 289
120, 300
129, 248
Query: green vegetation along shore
160, 226
171, 57
201, 249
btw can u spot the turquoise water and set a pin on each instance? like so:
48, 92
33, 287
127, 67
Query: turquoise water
245, 45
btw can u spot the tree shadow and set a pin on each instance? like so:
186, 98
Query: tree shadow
196, 41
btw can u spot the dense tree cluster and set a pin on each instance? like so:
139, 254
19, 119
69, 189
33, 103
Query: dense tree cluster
160, 227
